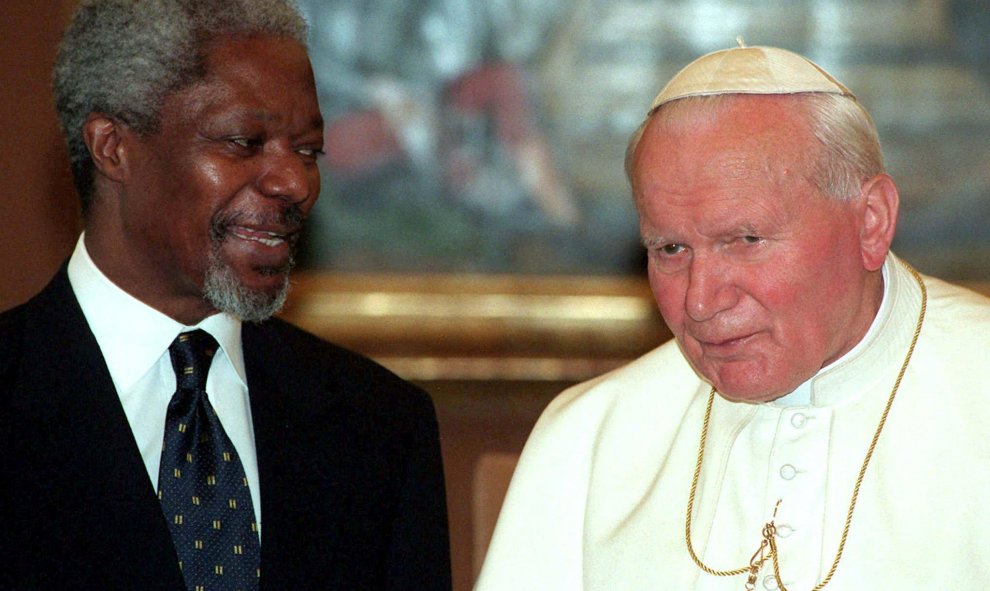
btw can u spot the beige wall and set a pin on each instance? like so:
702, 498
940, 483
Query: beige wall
38, 211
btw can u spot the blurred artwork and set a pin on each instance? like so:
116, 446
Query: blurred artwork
438, 149
489, 137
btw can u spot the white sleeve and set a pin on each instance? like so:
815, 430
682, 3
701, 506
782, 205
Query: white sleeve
539, 538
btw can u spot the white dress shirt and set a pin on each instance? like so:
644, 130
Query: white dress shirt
134, 339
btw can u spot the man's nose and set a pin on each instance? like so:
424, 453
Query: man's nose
710, 288
285, 176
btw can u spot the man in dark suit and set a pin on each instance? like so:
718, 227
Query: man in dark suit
157, 429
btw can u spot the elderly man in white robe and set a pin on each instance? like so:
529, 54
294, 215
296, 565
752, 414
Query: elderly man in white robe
818, 421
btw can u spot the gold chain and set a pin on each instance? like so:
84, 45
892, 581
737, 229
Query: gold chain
768, 545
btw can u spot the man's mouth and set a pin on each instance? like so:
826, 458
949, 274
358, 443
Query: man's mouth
725, 340
265, 237
726, 344
263, 244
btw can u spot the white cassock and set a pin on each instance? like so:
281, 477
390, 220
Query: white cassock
598, 499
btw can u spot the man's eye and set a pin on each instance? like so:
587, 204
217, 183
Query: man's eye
311, 152
751, 239
669, 258
244, 142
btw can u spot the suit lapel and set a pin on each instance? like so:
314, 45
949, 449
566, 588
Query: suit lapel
272, 433
99, 480
304, 494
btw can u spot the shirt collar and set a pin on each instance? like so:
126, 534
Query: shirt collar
132, 335
879, 356
801, 396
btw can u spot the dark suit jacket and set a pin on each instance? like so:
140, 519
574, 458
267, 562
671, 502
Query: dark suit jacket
351, 480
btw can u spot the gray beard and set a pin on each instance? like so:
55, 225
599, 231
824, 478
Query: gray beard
224, 291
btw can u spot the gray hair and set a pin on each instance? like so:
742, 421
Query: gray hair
850, 146
123, 57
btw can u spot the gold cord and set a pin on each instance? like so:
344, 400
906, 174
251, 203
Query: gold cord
768, 545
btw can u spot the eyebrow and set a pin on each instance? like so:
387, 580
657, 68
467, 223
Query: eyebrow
263, 115
652, 241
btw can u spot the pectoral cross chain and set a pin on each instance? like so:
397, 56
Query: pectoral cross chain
766, 551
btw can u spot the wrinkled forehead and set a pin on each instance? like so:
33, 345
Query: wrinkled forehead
741, 134
729, 110
259, 79
243, 55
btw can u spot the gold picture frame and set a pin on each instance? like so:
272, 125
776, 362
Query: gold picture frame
482, 327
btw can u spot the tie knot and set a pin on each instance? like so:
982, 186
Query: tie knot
192, 353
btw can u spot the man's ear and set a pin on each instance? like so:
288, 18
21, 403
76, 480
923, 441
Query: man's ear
106, 138
879, 219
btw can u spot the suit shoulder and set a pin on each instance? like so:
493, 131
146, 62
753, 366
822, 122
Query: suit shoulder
314, 353
335, 366
297, 338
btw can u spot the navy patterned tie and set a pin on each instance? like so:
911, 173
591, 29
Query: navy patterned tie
201, 482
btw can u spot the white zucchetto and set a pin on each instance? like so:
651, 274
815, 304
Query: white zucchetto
749, 70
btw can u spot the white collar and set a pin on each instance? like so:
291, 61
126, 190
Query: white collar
879, 355
132, 335
801, 396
